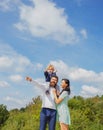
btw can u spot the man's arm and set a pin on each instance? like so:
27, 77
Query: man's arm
41, 86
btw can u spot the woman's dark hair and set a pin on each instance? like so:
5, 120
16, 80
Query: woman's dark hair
68, 86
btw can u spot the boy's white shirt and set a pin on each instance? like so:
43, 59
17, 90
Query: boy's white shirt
47, 99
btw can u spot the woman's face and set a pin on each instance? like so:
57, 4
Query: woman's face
63, 84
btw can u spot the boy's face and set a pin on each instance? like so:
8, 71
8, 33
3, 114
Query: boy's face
50, 69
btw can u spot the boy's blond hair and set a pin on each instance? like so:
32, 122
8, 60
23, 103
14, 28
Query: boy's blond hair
50, 66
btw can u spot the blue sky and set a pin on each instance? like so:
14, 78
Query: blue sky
35, 33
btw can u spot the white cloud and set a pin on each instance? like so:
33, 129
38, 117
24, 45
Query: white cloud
8, 98
4, 84
20, 26
22, 62
14, 100
14, 67
89, 76
81, 76
61, 67
89, 91
39, 66
16, 78
5, 62
44, 19
76, 73
8, 5
11, 61
17, 63
84, 33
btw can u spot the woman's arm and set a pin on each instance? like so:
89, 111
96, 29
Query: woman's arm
57, 100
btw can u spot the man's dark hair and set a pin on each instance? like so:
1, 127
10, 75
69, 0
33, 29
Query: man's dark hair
55, 76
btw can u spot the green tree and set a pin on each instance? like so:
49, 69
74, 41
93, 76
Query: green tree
4, 114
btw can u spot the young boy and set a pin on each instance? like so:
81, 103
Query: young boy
49, 72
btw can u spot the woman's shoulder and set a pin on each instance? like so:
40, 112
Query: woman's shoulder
64, 94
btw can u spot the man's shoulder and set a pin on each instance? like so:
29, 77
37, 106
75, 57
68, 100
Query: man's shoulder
57, 87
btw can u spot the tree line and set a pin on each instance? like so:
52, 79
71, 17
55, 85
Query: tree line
86, 114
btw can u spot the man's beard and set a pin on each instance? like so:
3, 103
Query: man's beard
52, 84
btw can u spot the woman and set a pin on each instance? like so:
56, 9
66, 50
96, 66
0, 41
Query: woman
63, 115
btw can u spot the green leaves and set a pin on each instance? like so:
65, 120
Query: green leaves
4, 114
86, 114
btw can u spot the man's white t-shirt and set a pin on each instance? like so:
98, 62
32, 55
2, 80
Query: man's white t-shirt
47, 99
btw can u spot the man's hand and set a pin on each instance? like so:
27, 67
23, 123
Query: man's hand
28, 79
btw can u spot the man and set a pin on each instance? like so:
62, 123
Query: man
48, 111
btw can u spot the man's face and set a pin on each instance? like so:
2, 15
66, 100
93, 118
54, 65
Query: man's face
53, 81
